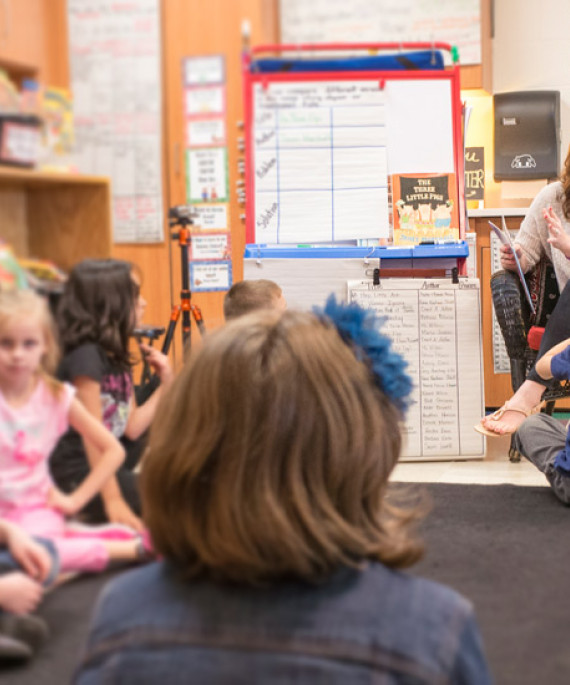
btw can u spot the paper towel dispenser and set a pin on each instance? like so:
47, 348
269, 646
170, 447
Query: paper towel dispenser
527, 135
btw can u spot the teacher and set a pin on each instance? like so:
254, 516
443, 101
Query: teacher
545, 231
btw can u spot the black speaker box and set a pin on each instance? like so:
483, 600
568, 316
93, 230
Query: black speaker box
527, 135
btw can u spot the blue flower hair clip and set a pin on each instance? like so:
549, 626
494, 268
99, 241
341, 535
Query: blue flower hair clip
360, 329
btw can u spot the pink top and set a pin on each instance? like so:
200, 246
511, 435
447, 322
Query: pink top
28, 434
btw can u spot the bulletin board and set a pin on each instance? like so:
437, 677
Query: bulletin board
323, 147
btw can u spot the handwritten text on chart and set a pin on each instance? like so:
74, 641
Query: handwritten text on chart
424, 325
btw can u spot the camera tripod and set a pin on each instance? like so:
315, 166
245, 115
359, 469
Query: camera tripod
177, 216
181, 216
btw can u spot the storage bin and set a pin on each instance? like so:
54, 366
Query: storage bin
20, 139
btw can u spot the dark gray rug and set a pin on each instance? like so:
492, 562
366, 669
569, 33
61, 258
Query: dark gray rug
505, 547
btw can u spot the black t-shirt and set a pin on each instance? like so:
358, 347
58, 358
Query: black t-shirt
116, 389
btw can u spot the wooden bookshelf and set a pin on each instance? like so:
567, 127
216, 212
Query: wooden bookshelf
57, 216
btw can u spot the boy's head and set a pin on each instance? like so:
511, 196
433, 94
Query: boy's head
247, 296
270, 456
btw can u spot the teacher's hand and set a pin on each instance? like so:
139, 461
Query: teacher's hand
558, 238
508, 260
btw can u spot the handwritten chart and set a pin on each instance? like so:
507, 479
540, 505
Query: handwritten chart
115, 76
435, 325
457, 22
320, 152
320, 161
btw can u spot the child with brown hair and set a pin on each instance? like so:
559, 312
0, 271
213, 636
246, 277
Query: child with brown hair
98, 312
265, 490
248, 296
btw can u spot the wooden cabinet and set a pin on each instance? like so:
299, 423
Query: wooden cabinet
21, 32
33, 40
60, 217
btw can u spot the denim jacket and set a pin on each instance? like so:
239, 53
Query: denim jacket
371, 626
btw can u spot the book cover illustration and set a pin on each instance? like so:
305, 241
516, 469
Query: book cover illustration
424, 208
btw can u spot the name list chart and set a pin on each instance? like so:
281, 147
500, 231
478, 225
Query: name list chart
319, 161
435, 325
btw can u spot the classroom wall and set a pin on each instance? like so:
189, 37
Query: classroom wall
531, 51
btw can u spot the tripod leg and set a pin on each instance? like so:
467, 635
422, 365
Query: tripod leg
174, 316
197, 313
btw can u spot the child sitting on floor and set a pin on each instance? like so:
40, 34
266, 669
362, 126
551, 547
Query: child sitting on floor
35, 410
265, 489
544, 440
99, 309
26, 567
247, 296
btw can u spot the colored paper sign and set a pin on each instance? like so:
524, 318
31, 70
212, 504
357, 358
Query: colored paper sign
205, 132
211, 217
204, 101
210, 276
208, 246
475, 173
207, 175
206, 69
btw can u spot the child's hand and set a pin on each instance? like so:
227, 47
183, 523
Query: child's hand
158, 362
63, 503
118, 511
18, 593
32, 556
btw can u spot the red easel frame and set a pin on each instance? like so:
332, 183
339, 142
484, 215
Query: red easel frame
451, 73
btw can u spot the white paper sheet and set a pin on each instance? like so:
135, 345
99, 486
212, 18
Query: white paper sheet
115, 80
436, 326
319, 158
457, 22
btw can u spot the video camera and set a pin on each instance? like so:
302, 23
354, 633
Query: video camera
181, 215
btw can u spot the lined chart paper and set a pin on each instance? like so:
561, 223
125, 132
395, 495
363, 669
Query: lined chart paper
436, 326
115, 67
320, 161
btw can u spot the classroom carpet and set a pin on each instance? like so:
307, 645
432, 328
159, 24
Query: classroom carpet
506, 548
503, 546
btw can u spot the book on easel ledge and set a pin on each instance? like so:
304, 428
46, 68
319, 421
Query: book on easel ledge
425, 208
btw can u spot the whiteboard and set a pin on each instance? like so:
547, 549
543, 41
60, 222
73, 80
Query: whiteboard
457, 22
320, 150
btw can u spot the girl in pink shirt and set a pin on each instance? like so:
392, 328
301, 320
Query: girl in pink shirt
35, 410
